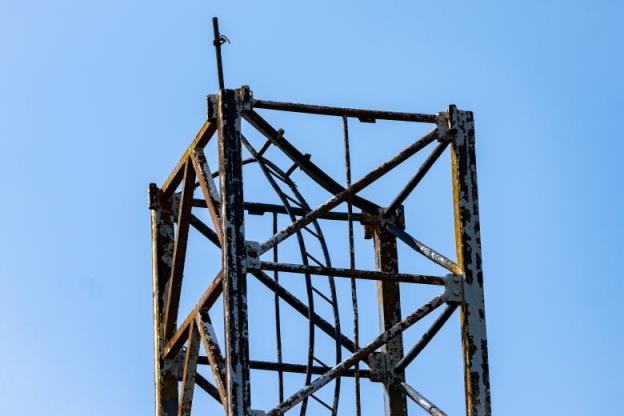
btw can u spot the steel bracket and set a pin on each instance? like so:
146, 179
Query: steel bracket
211, 101
377, 364
380, 220
153, 197
253, 258
445, 133
454, 288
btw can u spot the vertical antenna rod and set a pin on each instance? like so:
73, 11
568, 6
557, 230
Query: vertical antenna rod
217, 42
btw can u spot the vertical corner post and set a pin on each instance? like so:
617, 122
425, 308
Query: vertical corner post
468, 243
229, 105
386, 260
165, 373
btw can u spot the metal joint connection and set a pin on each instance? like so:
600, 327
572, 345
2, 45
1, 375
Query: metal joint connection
454, 288
445, 133
378, 368
382, 220
253, 255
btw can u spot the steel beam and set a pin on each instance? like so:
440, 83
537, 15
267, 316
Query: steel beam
468, 243
260, 208
353, 273
175, 177
174, 286
364, 115
165, 371
389, 300
213, 353
234, 255
188, 374
421, 400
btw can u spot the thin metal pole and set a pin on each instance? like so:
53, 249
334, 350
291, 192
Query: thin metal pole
278, 326
354, 273
354, 297
217, 42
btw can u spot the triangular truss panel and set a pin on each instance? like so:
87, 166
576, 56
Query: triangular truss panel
211, 200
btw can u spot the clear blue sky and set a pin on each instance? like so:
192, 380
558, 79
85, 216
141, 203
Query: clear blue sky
97, 99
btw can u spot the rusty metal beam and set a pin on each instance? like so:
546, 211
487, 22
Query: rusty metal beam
213, 353
354, 273
188, 375
165, 371
205, 230
179, 253
207, 386
209, 189
421, 400
389, 303
365, 115
423, 249
234, 254
468, 242
300, 368
260, 208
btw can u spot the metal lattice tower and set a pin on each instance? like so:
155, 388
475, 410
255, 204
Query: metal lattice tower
218, 194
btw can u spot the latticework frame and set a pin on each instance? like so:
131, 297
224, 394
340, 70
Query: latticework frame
384, 360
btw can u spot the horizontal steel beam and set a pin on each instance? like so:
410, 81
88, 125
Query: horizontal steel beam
364, 115
260, 208
355, 273
289, 367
